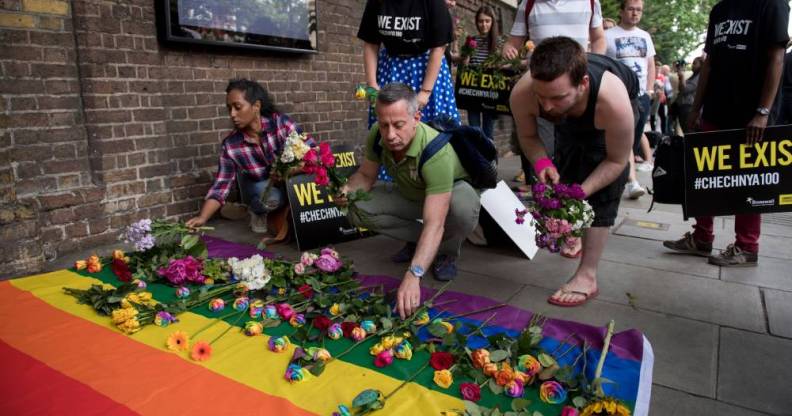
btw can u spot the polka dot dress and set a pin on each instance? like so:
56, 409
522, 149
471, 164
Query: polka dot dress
410, 71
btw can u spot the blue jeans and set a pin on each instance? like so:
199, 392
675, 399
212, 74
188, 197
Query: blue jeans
484, 120
250, 192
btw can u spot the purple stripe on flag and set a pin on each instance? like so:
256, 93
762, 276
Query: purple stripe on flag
626, 344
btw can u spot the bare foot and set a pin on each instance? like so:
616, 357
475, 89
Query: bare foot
574, 250
575, 292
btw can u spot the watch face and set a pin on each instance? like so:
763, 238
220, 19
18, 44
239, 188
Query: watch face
418, 271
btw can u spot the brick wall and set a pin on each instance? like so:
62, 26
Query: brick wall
101, 125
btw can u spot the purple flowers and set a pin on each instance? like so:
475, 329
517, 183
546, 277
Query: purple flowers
139, 234
181, 271
559, 213
328, 261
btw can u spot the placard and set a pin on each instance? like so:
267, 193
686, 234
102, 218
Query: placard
317, 220
483, 90
724, 175
500, 202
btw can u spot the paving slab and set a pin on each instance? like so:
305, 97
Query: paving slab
755, 371
545, 270
708, 300
670, 402
653, 255
770, 273
779, 312
685, 350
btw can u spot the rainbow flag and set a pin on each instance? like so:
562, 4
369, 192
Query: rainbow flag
60, 357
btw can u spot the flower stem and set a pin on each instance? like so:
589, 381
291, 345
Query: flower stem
487, 309
233, 325
214, 321
404, 383
605, 348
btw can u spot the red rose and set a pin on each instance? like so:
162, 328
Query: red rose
441, 360
470, 391
347, 327
306, 290
321, 323
121, 270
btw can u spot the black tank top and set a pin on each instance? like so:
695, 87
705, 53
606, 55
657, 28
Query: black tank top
582, 128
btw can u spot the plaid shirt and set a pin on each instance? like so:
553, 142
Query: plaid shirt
243, 155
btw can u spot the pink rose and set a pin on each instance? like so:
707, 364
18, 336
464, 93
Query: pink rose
311, 157
328, 263
470, 391
329, 251
384, 359
321, 177
328, 160
299, 268
569, 411
285, 311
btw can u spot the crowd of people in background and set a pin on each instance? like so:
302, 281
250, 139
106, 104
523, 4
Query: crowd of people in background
583, 104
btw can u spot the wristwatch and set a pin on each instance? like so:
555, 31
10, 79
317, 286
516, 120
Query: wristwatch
417, 271
763, 111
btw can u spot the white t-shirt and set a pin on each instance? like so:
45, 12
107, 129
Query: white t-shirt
548, 18
633, 48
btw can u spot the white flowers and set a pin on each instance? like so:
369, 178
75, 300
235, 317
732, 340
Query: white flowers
250, 271
295, 148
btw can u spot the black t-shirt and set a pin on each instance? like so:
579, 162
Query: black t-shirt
406, 27
738, 37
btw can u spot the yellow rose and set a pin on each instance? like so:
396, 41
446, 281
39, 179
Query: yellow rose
335, 310
119, 315
360, 92
80, 264
443, 378
118, 255
391, 341
125, 304
376, 349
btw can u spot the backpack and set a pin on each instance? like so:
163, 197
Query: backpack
668, 175
530, 4
476, 152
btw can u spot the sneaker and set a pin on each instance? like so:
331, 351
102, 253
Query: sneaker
689, 245
634, 190
644, 167
258, 223
233, 211
734, 256
444, 267
404, 255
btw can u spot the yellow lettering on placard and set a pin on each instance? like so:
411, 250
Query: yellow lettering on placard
469, 78
707, 156
345, 160
309, 194
767, 154
786, 158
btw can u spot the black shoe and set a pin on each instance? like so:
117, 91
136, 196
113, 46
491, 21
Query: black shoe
734, 256
404, 255
444, 267
689, 245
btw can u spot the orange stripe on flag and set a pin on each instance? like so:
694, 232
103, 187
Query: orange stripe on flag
131, 373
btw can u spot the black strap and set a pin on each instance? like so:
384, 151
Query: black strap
431, 149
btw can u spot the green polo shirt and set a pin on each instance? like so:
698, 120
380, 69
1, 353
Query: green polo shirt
439, 172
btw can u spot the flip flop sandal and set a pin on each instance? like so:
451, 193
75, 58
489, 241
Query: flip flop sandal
586, 298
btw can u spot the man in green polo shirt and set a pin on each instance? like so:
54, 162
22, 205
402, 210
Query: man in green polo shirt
433, 212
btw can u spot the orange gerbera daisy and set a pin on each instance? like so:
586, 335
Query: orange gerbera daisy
201, 351
177, 341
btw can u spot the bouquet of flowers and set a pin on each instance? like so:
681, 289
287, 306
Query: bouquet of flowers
250, 272
559, 213
320, 162
294, 149
468, 47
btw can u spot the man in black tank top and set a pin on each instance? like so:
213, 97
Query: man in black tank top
591, 100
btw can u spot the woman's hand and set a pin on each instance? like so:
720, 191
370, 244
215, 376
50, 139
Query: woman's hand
195, 222
423, 99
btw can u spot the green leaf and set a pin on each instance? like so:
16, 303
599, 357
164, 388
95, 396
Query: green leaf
499, 355
438, 330
520, 404
494, 387
318, 368
579, 401
471, 409
546, 360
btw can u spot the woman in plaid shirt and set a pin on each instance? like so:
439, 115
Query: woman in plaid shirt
248, 153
